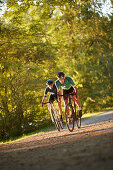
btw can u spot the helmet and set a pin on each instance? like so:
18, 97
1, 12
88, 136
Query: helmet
49, 82
60, 74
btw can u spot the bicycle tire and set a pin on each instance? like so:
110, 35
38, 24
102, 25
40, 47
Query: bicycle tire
77, 118
69, 117
55, 119
61, 125
78, 122
58, 119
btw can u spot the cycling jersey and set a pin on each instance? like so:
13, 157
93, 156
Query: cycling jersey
68, 83
52, 91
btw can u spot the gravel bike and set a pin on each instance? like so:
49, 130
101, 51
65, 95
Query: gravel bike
71, 114
55, 117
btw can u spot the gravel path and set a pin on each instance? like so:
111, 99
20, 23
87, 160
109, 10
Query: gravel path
87, 148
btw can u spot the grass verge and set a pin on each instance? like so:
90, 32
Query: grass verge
96, 113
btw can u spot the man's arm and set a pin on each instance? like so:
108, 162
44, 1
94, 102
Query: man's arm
71, 81
44, 98
76, 90
43, 101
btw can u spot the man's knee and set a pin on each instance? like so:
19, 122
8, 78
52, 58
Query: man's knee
66, 102
59, 102
49, 106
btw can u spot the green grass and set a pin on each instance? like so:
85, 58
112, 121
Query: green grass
96, 113
91, 114
47, 129
24, 136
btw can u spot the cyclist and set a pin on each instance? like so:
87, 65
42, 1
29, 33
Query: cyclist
51, 88
68, 86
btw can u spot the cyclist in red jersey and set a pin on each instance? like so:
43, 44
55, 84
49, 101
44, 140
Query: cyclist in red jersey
68, 86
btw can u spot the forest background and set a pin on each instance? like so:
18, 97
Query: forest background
38, 38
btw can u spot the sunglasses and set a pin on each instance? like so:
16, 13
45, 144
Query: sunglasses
51, 85
62, 78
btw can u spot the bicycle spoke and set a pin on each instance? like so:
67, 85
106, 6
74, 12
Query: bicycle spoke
55, 118
78, 121
69, 117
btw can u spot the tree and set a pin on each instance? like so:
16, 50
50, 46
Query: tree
39, 38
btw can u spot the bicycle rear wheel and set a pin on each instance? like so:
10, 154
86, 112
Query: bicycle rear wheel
69, 117
78, 122
77, 118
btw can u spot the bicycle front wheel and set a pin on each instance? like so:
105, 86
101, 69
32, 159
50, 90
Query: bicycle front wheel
69, 117
77, 117
55, 119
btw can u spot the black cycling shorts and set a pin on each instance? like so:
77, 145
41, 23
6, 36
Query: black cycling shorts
52, 98
66, 92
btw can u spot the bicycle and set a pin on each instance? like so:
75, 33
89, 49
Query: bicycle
71, 114
55, 117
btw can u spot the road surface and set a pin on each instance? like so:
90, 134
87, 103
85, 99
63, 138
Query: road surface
87, 148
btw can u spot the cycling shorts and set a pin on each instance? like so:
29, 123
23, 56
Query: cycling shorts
67, 92
52, 98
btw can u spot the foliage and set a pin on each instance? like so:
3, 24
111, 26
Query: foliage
39, 38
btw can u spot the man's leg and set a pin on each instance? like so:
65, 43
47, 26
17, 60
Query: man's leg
49, 107
59, 106
78, 104
50, 100
66, 102
65, 97
60, 110
76, 98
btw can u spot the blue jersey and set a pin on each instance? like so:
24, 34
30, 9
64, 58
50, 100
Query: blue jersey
52, 91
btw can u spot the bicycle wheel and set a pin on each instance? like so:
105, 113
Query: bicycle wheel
58, 119
78, 122
61, 124
69, 117
77, 118
55, 119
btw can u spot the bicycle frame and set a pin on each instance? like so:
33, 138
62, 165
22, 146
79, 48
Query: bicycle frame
70, 114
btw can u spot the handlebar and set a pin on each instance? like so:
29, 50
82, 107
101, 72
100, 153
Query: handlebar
66, 94
60, 95
46, 102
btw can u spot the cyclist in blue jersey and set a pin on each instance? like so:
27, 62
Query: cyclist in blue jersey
68, 86
52, 89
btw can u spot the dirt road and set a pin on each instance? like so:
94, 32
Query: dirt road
87, 148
